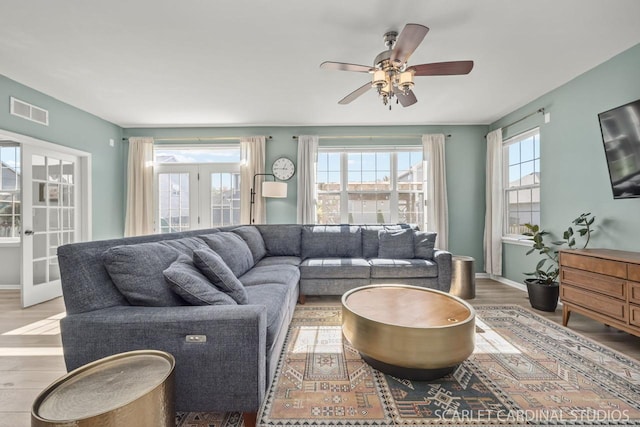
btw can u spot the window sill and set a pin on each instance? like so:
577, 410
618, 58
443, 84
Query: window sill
518, 241
9, 243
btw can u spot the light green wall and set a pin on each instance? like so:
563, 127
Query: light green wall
465, 151
71, 127
574, 175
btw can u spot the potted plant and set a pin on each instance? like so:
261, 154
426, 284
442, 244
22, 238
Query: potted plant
543, 287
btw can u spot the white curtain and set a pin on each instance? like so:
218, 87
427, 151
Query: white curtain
307, 157
252, 149
437, 206
139, 216
494, 205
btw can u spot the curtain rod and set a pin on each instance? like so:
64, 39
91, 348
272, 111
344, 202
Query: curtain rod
200, 138
369, 136
538, 111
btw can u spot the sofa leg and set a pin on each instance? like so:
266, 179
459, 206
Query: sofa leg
249, 419
302, 299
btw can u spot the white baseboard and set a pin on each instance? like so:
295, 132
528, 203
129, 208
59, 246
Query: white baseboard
9, 287
503, 280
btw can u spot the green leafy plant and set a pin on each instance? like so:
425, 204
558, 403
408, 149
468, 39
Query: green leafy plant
548, 268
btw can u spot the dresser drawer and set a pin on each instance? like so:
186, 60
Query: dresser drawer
596, 282
599, 303
634, 315
596, 265
633, 270
634, 292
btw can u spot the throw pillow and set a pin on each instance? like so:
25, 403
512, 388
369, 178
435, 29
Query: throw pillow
395, 244
254, 240
214, 268
187, 281
233, 250
136, 270
425, 242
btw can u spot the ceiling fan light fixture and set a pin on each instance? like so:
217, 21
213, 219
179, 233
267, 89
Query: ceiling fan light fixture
405, 82
379, 79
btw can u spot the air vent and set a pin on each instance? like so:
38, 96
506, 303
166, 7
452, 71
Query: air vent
30, 112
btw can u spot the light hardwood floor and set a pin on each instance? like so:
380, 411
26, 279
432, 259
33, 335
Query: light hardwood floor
31, 353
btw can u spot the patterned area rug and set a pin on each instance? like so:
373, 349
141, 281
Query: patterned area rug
525, 370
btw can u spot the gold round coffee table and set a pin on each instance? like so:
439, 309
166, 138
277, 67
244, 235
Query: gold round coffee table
409, 331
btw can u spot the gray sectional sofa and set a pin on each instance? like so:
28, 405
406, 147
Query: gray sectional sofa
221, 300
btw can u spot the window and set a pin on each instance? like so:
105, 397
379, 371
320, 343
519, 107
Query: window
370, 186
521, 178
10, 186
197, 187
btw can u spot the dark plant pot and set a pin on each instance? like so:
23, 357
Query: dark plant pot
543, 297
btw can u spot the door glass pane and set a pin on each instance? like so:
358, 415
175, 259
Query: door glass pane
39, 246
54, 169
173, 202
39, 272
67, 172
38, 167
54, 219
225, 199
39, 219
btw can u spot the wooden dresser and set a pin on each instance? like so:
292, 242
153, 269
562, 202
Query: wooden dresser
603, 284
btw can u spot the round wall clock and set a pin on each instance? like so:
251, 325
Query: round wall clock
283, 169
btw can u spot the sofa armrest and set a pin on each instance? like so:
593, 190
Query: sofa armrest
227, 372
443, 259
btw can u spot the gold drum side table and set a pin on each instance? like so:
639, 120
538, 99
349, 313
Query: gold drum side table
463, 277
135, 388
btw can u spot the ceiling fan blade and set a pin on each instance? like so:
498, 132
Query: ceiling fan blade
408, 99
408, 40
442, 68
355, 94
343, 66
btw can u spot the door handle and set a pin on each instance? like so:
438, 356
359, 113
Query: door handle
28, 232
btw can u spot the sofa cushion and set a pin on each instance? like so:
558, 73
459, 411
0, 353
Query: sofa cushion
424, 244
281, 240
189, 283
136, 270
216, 270
275, 297
395, 244
286, 274
233, 250
254, 240
185, 245
279, 260
331, 241
384, 268
335, 268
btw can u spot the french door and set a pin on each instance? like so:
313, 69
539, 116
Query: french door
195, 196
51, 217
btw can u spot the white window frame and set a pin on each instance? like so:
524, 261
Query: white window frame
393, 190
16, 195
506, 234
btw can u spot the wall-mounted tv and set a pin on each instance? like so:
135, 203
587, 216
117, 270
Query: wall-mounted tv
620, 129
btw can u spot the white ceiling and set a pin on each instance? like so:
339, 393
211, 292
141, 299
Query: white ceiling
140, 63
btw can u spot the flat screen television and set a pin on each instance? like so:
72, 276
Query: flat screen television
620, 129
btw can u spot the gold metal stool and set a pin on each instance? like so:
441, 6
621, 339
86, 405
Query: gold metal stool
135, 388
463, 277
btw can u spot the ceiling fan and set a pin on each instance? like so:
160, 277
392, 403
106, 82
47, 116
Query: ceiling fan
392, 77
